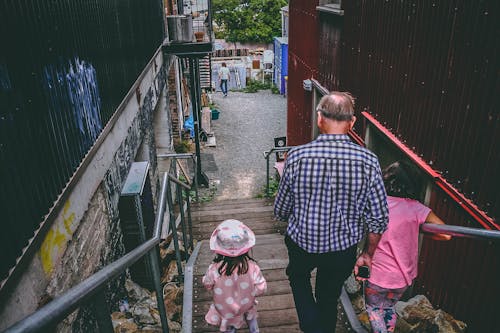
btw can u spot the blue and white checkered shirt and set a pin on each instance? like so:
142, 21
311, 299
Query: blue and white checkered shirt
330, 188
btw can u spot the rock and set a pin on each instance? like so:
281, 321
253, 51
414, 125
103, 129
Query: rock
421, 316
351, 285
151, 329
364, 320
358, 303
126, 327
142, 314
174, 326
118, 316
170, 272
173, 297
121, 321
447, 323
135, 292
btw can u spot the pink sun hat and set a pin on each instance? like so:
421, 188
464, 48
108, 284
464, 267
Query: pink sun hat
232, 238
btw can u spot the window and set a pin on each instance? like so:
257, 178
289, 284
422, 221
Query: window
331, 6
331, 3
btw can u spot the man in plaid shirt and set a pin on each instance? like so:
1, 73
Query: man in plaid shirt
331, 189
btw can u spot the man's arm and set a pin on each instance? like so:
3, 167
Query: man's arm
365, 259
376, 216
284, 199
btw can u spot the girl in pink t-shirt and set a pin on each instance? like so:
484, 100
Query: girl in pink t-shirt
234, 277
394, 263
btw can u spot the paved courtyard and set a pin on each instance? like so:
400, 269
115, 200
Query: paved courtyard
247, 126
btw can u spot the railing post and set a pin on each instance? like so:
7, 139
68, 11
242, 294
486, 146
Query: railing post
195, 162
178, 190
267, 175
101, 312
155, 269
190, 221
173, 227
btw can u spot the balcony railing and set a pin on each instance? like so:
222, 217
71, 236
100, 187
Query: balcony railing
190, 31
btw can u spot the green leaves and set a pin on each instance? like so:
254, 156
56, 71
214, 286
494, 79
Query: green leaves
248, 20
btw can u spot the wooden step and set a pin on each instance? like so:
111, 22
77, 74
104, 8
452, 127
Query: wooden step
267, 320
236, 203
276, 307
225, 213
259, 227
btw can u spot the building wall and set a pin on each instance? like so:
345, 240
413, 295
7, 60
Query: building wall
427, 71
302, 64
85, 235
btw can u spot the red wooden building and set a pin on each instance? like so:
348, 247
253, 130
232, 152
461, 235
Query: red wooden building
425, 78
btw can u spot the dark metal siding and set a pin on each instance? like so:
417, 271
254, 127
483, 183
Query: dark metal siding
64, 68
302, 64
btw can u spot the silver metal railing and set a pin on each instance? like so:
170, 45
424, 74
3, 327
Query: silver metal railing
428, 228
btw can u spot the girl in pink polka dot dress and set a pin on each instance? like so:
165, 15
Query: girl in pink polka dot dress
234, 277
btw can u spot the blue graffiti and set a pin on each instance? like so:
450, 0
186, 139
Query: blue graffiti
74, 88
5, 84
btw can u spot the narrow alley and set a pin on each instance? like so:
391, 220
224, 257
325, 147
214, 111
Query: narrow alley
247, 126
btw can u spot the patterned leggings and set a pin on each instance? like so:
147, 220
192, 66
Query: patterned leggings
380, 307
253, 326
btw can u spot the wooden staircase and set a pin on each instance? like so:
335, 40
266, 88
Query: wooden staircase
206, 72
276, 308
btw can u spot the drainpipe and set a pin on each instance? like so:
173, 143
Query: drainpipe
195, 102
180, 7
178, 92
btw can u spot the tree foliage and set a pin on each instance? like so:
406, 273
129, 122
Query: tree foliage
248, 20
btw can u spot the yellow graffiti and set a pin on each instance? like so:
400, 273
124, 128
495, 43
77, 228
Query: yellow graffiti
56, 239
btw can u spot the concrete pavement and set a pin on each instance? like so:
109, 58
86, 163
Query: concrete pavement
247, 126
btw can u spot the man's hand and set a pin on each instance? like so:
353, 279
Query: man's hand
363, 260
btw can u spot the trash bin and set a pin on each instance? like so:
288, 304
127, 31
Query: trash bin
215, 114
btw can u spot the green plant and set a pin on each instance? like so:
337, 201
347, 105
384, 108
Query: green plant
182, 146
204, 194
247, 21
274, 89
254, 86
274, 183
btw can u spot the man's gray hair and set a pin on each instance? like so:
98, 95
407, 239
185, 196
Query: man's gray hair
337, 105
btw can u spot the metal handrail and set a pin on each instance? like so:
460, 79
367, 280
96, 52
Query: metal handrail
461, 232
453, 230
266, 156
92, 288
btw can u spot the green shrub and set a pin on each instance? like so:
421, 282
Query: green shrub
274, 183
182, 146
254, 86
274, 89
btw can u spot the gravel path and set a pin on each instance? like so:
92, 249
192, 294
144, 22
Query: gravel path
247, 126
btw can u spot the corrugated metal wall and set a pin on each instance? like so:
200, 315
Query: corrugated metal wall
428, 70
64, 68
302, 64
461, 275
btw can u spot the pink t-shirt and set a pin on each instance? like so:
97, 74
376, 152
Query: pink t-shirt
394, 264
233, 296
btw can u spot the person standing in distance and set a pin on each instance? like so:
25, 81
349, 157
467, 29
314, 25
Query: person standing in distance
331, 189
224, 78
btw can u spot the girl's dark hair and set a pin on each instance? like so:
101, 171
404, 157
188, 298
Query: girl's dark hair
400, 180
229, 264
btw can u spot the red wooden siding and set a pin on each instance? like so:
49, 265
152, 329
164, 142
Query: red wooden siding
428, 71
302, 64
461, 275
